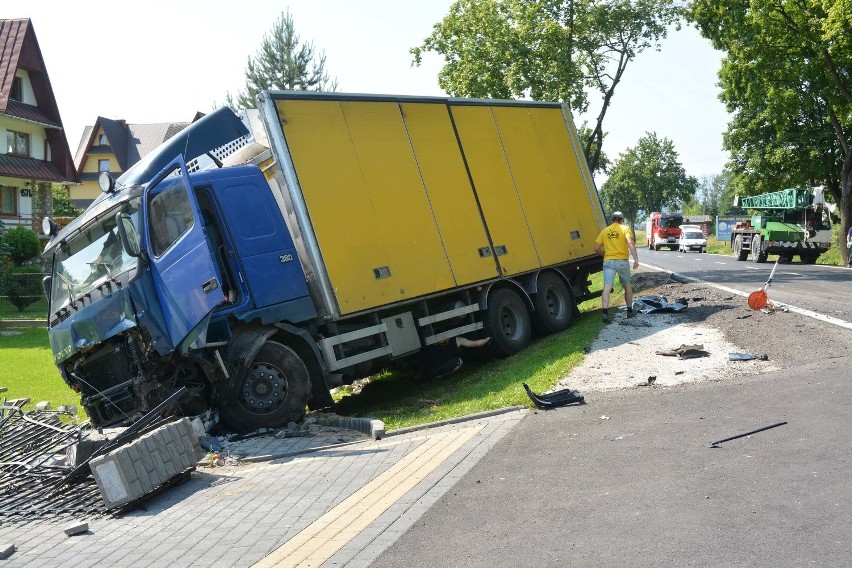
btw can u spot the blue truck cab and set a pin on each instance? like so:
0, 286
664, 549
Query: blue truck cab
170, 279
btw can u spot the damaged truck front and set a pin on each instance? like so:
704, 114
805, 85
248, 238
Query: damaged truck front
261, 260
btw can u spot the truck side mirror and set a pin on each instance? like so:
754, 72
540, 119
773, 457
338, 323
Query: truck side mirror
128, 235
46, 283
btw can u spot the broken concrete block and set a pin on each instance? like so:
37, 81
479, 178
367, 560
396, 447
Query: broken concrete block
6, 550
76, 528
67, 409
377, 429
78, 453
43, 405
125, 474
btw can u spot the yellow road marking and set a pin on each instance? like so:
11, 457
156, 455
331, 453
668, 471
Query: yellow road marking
321, 540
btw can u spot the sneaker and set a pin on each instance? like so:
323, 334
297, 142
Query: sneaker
630, 313
606, 318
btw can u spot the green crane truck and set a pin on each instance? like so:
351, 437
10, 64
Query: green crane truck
788, 223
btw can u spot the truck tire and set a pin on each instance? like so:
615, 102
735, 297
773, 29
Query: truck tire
757, 255
554, 304
507, 322
272, 392
738, 248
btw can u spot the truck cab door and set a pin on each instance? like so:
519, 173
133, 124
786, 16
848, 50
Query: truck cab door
182, 265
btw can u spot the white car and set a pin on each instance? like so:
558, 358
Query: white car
691, 238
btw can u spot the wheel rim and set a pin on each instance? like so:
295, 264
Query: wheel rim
510, 323
555, 303
264, 388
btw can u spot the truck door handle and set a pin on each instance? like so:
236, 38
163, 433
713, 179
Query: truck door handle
210, 285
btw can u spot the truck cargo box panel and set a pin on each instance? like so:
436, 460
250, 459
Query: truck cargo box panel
550, 186
450, 194
495, 188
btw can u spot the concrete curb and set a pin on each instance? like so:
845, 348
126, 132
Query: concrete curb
469, 417
293, 453
369, 426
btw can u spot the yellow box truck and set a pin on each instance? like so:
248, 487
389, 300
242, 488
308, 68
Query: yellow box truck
272, 256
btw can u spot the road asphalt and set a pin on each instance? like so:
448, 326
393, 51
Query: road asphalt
629, 480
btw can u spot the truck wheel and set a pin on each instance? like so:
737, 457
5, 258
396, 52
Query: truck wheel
756, 254
507, 322
272, 392
738, 248
554, 304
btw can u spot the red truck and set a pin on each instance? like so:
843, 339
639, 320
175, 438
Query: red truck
663, 229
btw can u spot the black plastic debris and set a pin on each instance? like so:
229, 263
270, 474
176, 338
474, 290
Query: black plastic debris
658, 304
747, 357
744, 434
553, 399
686, 352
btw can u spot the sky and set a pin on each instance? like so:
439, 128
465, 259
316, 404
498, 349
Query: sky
166, 60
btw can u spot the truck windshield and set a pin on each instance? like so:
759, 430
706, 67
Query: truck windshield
671, 222
91, 257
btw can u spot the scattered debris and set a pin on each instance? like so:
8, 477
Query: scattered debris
76, 528
603, 417
750, 432
685, 352
744, 317
651, 380
658, 304
553, 399
6, 551
747, 357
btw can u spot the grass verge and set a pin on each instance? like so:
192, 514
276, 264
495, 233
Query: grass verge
400, 399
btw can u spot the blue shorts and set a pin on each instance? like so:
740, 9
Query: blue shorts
613, 267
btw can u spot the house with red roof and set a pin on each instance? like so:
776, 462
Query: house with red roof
34, 152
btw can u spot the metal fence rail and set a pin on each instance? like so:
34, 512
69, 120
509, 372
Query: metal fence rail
22, 296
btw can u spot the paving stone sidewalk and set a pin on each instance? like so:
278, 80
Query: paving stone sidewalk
239, 515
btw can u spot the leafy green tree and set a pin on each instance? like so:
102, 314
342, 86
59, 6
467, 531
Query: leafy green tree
283, 62
546, 50
648, 177
62, 204
23, 244
787, 80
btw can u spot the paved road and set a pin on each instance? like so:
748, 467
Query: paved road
818, 289
640, 488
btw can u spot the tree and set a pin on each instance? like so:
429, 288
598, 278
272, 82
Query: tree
62, 205
546, 50
647, 178
283, 62
22, 243
787, 79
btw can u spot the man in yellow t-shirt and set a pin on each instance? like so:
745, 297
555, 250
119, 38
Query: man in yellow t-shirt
613, 244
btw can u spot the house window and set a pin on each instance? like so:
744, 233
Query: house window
17, 143
103, 165
17, 92
102, 140
8, 203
